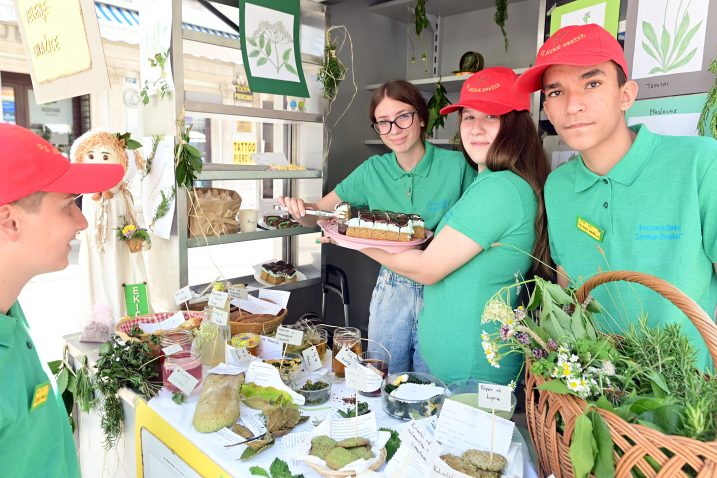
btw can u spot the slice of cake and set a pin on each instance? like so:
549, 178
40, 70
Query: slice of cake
384, 226
278, 272
419, 226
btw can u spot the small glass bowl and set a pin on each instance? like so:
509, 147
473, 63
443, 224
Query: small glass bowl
313, 397
412, 409
466, 392
292, 365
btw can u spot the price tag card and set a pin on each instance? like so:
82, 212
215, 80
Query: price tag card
167, 324
182, 295
218, 299
183, 380
289, 336
346, 357
494, 397
220, 316
238, 292
172, 349
279, 297
312, 361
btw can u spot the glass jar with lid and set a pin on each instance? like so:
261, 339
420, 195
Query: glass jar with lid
345, 337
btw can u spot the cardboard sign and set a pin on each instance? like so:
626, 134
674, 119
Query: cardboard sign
218, 299
494, 397
183, 380
182, 295
312, 361
220, 316
289, 336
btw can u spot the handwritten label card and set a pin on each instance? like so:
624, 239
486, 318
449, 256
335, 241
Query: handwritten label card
258, 306
346, 357
183, 380
279, 297
270, 347
415, 453
168, 324
289, 336
220, 316
494, 397
457, 424
172, 349
182, 295
238, 292
267, 375
363, 426
312, 361
239, 356
218, 299
355, 377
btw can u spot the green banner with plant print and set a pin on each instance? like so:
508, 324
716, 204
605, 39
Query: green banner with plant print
135, 298
270, 46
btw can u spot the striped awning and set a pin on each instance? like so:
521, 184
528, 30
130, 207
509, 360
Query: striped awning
125, 18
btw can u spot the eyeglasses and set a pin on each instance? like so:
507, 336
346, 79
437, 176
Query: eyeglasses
402, 121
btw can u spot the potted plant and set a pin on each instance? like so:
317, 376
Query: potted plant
134, 235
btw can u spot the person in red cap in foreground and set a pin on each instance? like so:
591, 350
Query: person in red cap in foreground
633, 200
464, 265
38, 219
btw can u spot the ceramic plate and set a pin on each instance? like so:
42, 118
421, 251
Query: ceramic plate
330, 229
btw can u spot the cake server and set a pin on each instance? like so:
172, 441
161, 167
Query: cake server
314, 212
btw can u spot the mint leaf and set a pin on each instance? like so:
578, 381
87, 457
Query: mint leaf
258, 471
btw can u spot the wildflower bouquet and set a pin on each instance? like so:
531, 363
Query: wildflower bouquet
645, 376
134, 235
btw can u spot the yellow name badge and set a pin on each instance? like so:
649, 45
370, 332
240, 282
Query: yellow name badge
590, 229
40, 396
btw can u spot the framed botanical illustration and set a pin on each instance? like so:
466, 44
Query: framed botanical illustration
270, 46
605, 13
669, 44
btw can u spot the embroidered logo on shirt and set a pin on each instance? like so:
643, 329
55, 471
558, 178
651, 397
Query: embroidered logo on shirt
590, 229
40, 396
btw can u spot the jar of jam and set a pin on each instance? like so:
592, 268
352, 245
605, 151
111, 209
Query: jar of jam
345, 337
182, 357
248, 341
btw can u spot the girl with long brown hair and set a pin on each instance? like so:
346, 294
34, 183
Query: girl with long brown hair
485, 241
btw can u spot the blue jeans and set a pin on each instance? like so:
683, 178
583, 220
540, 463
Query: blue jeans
396, 303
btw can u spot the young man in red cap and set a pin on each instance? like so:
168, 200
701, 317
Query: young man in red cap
633, 200
38, 219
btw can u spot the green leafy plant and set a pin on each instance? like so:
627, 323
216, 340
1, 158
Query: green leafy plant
120, 365
709, 107
393, 443
277, 469
351, 411
148, 163
164, 205
178, 397
266, 42
331, 72
670, 51
438, 101
421, 17
500, 17
160, 85
128, 142
75, 386
187, 160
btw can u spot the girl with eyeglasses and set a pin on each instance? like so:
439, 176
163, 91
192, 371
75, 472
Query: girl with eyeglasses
483, 243
414, 178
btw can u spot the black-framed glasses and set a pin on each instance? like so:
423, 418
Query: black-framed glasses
403, 121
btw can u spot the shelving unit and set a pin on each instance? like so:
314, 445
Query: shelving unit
436, 141
289, 120
452, 83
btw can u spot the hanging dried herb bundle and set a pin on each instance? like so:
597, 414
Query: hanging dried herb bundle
501, 16
421, 18
331, 72
709, 107
438, 101
187, 159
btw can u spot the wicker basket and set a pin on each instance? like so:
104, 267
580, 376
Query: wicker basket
261, 324
342, 474
123, 328
635, 442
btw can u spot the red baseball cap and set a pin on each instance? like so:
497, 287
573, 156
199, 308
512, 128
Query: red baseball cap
31, 164
491, 91
583, 45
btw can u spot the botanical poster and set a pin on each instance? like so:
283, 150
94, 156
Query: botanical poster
270, 46
581, 12
670, 37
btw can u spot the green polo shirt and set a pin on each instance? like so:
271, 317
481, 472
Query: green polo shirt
37, 442
654, 212
497, 207
429, 189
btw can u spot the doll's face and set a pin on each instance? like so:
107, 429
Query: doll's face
101, 154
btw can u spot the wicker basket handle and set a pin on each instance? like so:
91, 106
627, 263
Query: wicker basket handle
704, 323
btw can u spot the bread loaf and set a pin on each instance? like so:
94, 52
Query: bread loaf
218, 405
